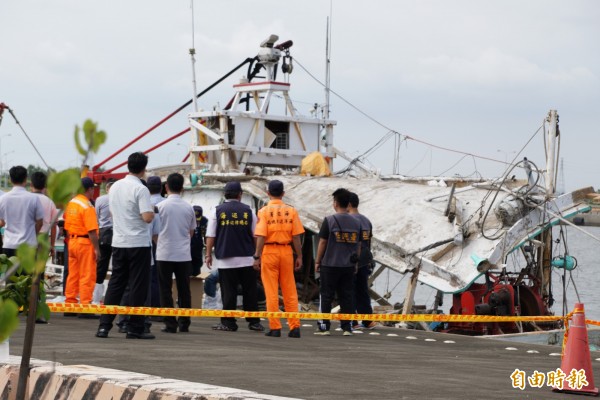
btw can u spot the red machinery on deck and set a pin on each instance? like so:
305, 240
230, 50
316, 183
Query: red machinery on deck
502, 295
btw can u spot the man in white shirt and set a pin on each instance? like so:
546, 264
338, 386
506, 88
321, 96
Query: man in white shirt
173, 254
131, 210
21, 213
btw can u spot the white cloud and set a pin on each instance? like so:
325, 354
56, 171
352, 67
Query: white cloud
493, 67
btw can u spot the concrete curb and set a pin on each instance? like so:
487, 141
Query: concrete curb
54, 381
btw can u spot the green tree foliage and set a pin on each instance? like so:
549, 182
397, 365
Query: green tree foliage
8, 307
30, 262
35, 168
91, 136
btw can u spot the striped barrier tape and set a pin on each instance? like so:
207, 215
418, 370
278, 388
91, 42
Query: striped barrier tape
202, 313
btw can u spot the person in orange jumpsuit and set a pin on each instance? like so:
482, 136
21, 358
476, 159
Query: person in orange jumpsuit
81, 225
277, 231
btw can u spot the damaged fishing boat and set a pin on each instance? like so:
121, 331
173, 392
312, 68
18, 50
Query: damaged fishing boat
489, 243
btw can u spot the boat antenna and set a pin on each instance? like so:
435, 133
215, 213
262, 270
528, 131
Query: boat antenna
328, 62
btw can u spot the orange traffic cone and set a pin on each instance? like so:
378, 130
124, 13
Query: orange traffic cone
577, 360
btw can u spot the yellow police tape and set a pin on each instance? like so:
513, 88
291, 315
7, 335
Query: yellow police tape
201, 313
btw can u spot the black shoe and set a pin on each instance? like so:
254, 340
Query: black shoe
89, 316
184, 329
257, 326
222, 327
294, 333
41, 321
274, 333
168, 330
123, 329
133, 335
102, 333
70, 314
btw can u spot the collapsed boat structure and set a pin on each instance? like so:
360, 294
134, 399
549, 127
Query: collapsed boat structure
447, 233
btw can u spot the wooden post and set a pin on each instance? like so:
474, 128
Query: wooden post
410, 292
28, 340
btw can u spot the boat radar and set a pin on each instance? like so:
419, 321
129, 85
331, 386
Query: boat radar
249, 132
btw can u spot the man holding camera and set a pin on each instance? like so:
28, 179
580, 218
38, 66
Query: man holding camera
337, 259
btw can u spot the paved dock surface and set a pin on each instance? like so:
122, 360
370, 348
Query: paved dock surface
363, 366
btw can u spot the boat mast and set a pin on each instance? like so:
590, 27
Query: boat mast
196, 133
545, 251
328, 127
551, 155
327, 71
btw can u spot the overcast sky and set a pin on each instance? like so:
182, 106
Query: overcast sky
470, 75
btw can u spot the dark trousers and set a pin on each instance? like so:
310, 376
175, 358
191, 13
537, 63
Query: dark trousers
102, 262
65, 267
123, 320
361, 292
229, 279
131, 266
182, 271
9, 252
340, 281
154, 297
154, 288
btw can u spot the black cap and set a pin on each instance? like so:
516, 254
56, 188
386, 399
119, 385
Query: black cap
154, 180
233, 187
276, 187
198, 212
87, 183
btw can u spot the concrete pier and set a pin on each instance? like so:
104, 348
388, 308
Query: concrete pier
386, 363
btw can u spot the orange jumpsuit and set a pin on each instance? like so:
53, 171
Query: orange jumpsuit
80, 219
279, 223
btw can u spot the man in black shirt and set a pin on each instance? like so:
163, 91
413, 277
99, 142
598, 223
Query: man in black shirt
362, 300
337, 257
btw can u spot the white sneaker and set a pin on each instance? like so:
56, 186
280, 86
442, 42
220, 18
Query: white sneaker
322, 333
348, 333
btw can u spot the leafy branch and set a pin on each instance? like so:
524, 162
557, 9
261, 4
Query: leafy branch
23, 292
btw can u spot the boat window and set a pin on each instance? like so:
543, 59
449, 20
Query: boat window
282, 131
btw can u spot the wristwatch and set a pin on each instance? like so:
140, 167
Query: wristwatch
255, 257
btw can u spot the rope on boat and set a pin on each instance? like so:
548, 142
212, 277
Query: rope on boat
2, 108
390, 130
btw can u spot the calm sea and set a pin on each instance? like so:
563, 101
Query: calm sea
586, 278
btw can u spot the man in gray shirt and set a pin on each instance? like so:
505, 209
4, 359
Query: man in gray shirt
105, 239
21, 212
173, 254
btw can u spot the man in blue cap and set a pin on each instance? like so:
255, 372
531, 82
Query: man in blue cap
81, 223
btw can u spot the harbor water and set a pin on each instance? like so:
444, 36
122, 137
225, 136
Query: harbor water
585, 278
